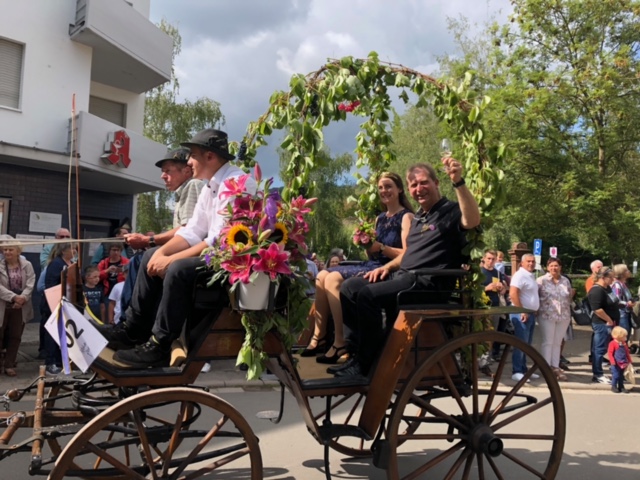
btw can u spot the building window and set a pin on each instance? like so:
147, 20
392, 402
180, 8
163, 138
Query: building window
11, 55
108, 110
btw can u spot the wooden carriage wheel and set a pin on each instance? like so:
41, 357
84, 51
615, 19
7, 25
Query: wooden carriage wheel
478, 428
346, 410
166, 433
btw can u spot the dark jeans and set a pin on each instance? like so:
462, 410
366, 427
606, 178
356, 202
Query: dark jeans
129, 284
601, 339
362, 306
161, 305
51, 348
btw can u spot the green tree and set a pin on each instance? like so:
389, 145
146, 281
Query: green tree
563, 76
170, 122
333, 219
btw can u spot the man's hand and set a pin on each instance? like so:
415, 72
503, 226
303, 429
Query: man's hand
136, 240
524, 317
453, 169
377, 274
158, 264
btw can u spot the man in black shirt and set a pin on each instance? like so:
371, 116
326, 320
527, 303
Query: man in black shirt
605, 316
436, 239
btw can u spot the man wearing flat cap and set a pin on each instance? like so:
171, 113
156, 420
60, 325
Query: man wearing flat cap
162, 295
178, 177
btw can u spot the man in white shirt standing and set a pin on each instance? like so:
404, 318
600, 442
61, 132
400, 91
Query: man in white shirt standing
524, 293
162, 295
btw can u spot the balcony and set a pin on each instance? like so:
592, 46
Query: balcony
129, 52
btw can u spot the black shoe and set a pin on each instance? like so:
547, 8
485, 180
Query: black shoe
150, 354
119, 337
336, 368
338, 352
624, 390
564, 360
354, 370
615, 390
564, 367
321, 347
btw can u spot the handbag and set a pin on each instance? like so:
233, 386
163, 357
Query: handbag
629, 374
582, 313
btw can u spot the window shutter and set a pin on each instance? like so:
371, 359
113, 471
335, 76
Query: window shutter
11, 54
108, 110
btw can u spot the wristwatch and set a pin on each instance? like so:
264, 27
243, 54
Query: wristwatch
152, 241
459, 183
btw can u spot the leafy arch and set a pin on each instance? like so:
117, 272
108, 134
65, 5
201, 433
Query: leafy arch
361, 87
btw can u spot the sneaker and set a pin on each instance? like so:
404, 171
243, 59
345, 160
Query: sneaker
336, 368
206, 368
53, 370
564, 360
534, 376
518, 376
119, 337
484, 360
601, 379
150, 354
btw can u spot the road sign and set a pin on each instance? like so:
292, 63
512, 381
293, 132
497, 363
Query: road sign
537, 247
553, 252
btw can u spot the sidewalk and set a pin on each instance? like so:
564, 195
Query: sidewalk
224, 374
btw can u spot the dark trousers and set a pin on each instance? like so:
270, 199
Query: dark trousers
362, 306
11, 335
52, 355
617, 376
161, 305
129, 284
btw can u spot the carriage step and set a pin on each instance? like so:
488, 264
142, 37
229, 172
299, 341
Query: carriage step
329, 432
268, 415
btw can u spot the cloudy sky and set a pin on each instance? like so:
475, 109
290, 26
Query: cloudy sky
238, 52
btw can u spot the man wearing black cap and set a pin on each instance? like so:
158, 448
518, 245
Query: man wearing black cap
162, 294
178, 177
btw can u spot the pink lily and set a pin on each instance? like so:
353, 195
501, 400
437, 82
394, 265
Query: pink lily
235, 187
257, 172
273, 260
240, 268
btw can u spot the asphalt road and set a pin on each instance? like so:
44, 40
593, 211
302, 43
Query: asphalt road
602, 442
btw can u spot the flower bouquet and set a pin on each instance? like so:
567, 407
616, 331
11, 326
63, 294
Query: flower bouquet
364, 234
264, 237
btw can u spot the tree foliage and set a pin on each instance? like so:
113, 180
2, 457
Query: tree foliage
329, 227
564, 79
170, 121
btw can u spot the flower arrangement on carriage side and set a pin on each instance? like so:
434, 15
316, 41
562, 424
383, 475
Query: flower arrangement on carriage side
364, 234
264, 237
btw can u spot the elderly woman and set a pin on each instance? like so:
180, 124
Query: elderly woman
17, 280
621, 275
554, 315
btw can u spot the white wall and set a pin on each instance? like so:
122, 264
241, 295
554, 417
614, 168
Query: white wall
54, 68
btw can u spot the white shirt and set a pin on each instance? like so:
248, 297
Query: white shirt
206, 222
115, 296
525, 281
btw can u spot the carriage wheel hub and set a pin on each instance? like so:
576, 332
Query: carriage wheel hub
483, 440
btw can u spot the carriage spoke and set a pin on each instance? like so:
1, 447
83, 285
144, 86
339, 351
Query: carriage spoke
453, 390
474, 380
464, 455
467, 466
174, 441
516, 388
494, 467
522, 413
519, 462
434, 461
436, 412
144, 440
496, 383
218, 464
113, 461
480, 460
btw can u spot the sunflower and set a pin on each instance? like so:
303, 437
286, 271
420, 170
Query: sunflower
280, 234
239, 233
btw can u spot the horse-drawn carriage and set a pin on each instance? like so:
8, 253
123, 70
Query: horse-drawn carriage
425, 390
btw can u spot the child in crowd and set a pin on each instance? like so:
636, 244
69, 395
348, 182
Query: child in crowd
93, 295
620, 357
115, 297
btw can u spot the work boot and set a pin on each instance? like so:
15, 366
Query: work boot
150, 354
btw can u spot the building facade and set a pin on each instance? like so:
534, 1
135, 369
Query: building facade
73, 77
